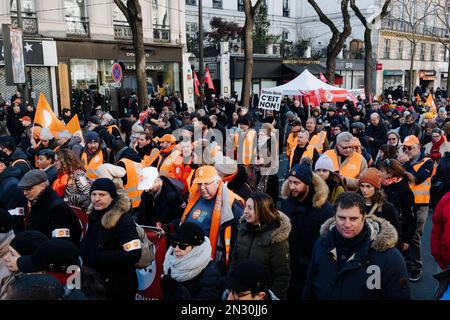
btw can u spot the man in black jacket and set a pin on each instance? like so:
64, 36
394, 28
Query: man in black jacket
17, 158
49, 214
162, 200
94, 124
376, 133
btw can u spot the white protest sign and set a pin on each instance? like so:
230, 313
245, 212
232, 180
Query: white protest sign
270, 100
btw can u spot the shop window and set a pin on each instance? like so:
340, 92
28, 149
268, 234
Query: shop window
217, 4
422, 52
83, 73
387, 48
285, 8
161, 20
432, 52
400, 50
77, 22
29, 20
191, 2
240, 5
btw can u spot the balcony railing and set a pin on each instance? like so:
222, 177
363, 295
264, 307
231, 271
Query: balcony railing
122, 30
77, 26
403, 26
29, 20
160, 33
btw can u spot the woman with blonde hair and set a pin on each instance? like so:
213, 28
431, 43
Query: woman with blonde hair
263, 237
72, 183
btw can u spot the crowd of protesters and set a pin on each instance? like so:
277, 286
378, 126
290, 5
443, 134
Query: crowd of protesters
358, 184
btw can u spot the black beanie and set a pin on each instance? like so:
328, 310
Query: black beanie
105, 184
303, 172
26, 242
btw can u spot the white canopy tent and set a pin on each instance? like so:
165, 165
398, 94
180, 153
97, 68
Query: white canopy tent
305, 81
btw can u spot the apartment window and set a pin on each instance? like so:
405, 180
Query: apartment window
29, 19
422, 52
191, 2
285, 35
240, 4
387, 48
77, 22
217, 4
432, 52
400, 50
285, 8
161, 20
445, 53
191, 27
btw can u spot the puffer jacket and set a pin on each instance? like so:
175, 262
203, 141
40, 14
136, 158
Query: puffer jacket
440, 233
375, 253
269, 245
5, 274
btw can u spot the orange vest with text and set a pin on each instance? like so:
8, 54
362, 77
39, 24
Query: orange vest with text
92, 166
351, 168
131, 188
422, 191
150, 158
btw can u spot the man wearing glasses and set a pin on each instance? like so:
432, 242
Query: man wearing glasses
216, 209
422, 168
348, 163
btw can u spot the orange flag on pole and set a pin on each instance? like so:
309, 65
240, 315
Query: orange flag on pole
196, 84
430, 103
46, 118
74, 128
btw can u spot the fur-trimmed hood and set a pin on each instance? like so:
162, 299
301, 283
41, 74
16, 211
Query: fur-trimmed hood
383, 235
278, 234
122, 206
320, 187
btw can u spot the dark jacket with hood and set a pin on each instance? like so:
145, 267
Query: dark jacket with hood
12, 198
164, 207
410, 129
332, 278
269, 245
18, 159
239, 184
306, 219
103, 248
104, 135
53, 217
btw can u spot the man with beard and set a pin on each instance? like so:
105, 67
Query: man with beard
147, 150
305, 203
93, 155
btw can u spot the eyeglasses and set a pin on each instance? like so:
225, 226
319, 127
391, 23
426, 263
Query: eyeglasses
345, 148
182, 246
436, 137
239, 296
407, 148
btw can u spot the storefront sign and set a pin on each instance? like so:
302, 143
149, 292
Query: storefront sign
151, 67
301, 61
32, 51
348, 65
393, 73
379, 66
270, 100
427, 74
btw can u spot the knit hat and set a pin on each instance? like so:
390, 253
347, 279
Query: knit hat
248, 275
442, 109
4, 158
303, 172
6, 222
325, 163
244, 121
188, 233
105, 184
26, 242
46, 134
95, 120
371, 176
92, 136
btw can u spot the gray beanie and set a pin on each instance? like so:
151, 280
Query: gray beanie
324, 162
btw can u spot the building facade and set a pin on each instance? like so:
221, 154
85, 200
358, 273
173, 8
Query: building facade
90, 36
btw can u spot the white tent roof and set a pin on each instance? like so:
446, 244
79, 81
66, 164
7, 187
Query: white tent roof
305, 81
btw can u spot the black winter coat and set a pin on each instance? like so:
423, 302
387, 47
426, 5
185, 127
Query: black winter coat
165, 207
208, 285
12, 198
239, 184
327, 281
306, 219
401, 196
379, 134
103, 248
388, 212
51, 216
19, 159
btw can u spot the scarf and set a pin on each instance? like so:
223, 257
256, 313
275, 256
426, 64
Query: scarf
191, 265
230, 177
167, 150
60, 183
390, 181
435, 149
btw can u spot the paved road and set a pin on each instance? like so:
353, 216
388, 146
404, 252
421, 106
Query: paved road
425, 288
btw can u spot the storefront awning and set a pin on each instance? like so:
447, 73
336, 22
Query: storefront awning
315, 69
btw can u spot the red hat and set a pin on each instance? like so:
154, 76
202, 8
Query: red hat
25, 118
371, 176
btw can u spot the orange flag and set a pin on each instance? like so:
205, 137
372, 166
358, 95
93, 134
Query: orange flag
196, 84
73, 126
45, 116
208, 79
430, 103
418, 98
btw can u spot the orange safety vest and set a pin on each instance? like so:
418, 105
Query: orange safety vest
215, 223
170, 165
291, 144
318, 140
150, 158
422, 191
111, 127
131, 188
92, 166
309, 152
351, 168
246, 152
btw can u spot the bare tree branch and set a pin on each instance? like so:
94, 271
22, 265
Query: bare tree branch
122, 8
323, 18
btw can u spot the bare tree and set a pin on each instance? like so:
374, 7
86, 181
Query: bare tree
133, 13
338, 38
415, 14
250, 12
442, 13
368, 24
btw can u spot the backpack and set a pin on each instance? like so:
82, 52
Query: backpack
147, 253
